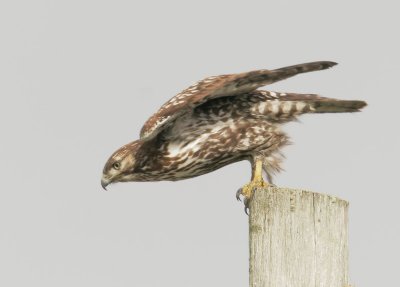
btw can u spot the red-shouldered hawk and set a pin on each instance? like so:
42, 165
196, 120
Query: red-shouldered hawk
218, 121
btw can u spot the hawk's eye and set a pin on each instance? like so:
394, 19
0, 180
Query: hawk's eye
116, 165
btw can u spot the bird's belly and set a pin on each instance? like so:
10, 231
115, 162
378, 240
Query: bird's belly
210, 149
196, 165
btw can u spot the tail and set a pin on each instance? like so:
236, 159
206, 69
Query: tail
283, 107
336, 106
311, 103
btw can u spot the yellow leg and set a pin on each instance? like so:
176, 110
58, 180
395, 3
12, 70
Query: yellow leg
257, 181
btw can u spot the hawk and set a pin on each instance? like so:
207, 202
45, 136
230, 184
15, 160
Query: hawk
218, 121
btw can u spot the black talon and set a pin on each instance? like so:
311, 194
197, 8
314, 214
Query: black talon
246, 205
238, 193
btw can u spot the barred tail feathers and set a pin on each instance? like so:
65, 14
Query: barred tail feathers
311, 103
287, 106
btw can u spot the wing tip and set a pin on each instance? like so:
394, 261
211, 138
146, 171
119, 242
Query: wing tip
333, 63
328, 64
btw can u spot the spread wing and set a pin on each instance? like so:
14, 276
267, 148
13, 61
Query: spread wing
220, 86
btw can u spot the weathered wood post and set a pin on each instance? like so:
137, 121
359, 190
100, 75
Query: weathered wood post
297, 239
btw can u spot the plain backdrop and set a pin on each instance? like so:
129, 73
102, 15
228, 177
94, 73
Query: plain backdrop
79, 78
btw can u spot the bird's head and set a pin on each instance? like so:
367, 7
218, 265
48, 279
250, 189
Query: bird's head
121, 165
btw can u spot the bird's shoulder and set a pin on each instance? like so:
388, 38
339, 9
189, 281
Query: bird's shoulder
185, 101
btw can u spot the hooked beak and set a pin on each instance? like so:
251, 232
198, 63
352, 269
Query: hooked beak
104, 182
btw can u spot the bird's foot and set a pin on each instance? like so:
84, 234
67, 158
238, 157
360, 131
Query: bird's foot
248, 190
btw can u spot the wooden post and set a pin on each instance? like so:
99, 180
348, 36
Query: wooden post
297, 239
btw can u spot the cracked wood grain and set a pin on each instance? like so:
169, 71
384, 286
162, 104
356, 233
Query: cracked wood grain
297, 239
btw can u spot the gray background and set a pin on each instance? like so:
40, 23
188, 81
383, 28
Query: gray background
78, 79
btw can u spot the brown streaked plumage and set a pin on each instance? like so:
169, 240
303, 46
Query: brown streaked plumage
218, 121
